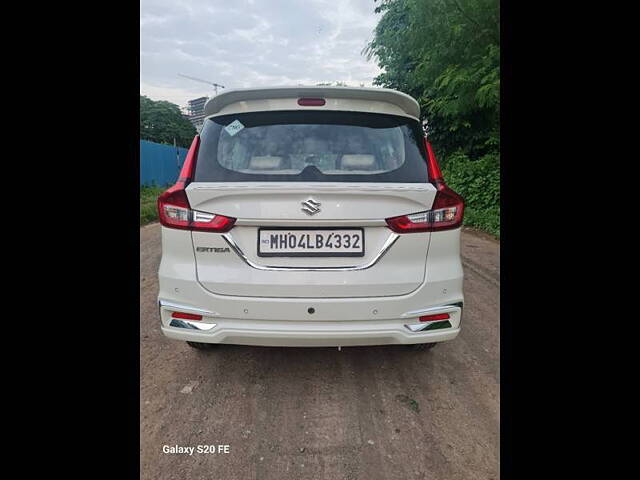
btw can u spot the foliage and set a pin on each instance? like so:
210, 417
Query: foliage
446, 54
478, 181
148, 198
162, 121
487, 220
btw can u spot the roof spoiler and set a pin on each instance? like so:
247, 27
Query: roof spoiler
406, 103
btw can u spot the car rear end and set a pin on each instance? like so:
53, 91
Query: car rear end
311, 217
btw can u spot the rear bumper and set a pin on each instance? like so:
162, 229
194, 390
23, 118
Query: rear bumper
212, 329
298, 321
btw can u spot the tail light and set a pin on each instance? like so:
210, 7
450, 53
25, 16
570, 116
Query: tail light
173, 205
432, 164
446, 212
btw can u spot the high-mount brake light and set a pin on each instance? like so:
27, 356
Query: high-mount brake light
446, 212
173, 205
311, 102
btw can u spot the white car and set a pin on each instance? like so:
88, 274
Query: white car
311, 216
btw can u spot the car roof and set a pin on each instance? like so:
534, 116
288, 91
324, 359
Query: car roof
376, 100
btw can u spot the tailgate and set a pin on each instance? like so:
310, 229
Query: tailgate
386, 264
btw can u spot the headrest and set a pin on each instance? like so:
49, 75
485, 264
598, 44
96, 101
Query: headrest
265, 163
358, 162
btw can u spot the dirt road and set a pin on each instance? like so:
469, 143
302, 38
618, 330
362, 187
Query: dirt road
363, 413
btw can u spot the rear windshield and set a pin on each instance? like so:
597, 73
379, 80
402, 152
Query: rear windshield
294, 146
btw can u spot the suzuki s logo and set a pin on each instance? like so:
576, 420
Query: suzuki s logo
310, 207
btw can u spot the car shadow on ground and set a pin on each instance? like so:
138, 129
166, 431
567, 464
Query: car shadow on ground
324, 362
306, 352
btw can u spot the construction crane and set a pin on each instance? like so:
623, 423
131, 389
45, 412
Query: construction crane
215, 85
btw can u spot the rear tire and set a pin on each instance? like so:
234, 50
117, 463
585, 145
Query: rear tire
200, 346
423, 346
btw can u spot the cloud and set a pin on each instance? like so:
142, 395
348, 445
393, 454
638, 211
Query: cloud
251, 43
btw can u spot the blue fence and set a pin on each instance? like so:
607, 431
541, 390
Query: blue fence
160, 164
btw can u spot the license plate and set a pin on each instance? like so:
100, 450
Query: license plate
293, 242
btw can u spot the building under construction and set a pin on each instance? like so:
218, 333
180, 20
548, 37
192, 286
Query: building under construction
195, 112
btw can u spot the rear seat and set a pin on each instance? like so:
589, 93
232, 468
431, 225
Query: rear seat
266, 162
358, 162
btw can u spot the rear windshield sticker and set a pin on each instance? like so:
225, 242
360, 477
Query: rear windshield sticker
234, 127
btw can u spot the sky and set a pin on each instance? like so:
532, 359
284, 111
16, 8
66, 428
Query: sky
252, 43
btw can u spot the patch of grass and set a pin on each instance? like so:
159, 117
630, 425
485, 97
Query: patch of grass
487, 219
148, 197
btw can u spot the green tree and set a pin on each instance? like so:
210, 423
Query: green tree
446, 54
162, 121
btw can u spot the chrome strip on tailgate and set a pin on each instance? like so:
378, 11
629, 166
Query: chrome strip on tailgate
387, 245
